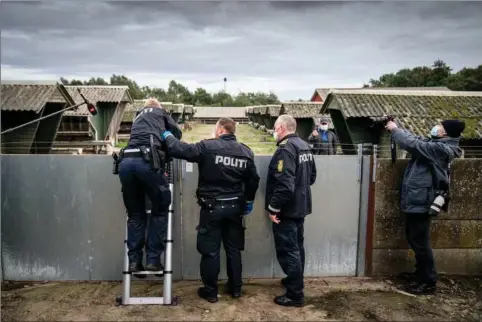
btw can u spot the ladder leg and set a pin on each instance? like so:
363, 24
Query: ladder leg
126, 276
167, 291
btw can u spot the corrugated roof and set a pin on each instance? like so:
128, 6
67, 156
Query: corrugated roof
273, 110
177, 108
414, 110
323, 92
32, 96
301, 109
188, 109
260, 109
213, 112
98, 94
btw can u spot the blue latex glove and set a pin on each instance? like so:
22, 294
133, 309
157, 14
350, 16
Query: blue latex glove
165, 134
248, 208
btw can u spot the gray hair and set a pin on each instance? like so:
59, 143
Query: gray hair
152, 102
287, 121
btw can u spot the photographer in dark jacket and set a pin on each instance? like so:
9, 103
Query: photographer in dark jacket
324, 141
425, 175
227, 186
291, 173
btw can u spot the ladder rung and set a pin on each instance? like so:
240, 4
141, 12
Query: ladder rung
148, 273
144, 300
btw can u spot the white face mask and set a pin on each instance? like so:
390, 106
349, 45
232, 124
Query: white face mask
213, 134
324, 127
275, 136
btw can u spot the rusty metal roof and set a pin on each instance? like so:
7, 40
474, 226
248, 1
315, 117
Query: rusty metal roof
301, 109
414, 110
98, 94
31, 96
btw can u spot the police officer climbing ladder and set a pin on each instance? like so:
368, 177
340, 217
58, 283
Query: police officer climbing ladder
228, 182
144, 168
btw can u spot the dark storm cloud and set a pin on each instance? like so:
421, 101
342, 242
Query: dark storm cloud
290, 47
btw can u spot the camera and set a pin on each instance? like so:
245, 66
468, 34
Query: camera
387, 118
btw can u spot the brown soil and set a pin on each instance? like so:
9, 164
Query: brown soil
354, 299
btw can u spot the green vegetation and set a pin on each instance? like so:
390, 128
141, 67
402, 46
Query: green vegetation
178, 93
439, 74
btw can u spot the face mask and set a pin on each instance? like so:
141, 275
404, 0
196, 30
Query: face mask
434, 131
324, 127
213, 134
275, 136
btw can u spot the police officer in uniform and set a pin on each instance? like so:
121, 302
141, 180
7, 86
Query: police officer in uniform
138, 178
228, 182
291, 173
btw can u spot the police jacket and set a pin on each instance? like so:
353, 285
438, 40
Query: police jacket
427, 171
321, 147
291, 173
226, 167
151, 120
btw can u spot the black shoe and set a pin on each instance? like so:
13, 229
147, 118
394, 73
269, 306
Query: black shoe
408, 276
421, 289
283, 300
283, 281
136, 267
154, 267
205, 295
234, 294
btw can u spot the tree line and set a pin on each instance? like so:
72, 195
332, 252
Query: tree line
178, 93
439, 74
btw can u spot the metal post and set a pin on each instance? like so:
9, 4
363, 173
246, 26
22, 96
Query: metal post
126, 277
167, 291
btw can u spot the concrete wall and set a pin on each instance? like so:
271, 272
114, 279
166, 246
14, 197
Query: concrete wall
456, 235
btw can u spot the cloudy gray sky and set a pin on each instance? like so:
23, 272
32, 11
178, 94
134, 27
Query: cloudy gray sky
288, 47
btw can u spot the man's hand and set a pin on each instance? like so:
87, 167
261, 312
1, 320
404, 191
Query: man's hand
248, 208
274, 218
391, 125
165, 134
314, 133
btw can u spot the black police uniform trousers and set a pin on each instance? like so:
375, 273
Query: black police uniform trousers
418, 237
221, 221
138, 180
290, 252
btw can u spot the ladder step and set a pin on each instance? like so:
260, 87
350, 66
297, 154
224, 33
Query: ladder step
148, 273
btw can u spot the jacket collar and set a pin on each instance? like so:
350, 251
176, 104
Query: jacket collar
286, 137
227, 137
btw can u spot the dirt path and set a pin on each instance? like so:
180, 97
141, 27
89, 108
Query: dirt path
351, 299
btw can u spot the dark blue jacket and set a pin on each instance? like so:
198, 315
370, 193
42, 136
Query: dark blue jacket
426, 172
291, 173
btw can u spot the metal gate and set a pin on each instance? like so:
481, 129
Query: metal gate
331, 231
62, 218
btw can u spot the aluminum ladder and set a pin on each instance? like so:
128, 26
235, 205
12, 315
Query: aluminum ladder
167, 298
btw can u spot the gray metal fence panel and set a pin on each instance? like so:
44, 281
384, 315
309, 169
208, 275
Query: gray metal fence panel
63, 218
46, 205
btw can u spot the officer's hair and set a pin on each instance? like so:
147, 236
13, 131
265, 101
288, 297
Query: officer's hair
228, 124
288, 121
151, 101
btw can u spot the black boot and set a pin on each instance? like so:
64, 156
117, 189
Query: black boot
228, 289
283, 300
211, 298
421, 288
136, 267
283, 281
408, 276
154, 267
